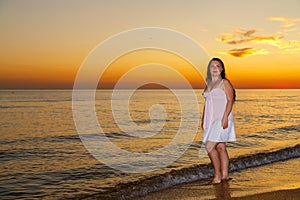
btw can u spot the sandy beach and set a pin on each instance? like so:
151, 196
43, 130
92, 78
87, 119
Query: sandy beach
274, 181
281, 194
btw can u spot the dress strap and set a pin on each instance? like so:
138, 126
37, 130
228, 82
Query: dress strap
219, 86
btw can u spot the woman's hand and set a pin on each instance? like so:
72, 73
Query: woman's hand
225, 122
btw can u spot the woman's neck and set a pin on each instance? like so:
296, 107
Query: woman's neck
215, 78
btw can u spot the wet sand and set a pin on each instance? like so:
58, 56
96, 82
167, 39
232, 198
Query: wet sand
279, 180
281, 194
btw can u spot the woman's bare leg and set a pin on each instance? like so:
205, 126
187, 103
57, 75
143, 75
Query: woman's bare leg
215, 160
224, 159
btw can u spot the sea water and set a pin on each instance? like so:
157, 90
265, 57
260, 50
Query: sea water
42, 155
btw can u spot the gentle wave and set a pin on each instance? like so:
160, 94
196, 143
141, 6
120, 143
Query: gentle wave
190, 174
8, 107
43, 100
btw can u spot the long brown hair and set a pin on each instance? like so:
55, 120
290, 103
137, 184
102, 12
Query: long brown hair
223, 74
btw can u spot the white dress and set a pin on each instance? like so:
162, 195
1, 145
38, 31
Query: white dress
215, 105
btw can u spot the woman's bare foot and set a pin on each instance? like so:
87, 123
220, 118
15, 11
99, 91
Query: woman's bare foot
225, 179
216, 180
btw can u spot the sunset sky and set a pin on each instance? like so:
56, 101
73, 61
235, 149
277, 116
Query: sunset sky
44, 42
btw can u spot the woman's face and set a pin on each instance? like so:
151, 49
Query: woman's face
215, 68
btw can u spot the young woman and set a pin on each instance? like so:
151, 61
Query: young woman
217, 120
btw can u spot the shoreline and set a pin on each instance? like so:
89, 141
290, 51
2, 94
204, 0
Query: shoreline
292, 194
274, 181
195, 181
279, 194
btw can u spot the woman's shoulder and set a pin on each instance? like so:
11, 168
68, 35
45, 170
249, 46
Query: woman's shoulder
225, 80
227, 83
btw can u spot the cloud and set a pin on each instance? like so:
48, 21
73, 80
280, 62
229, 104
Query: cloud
244, 52
287, 22
290, 47
245, 33
243, 36
286, 31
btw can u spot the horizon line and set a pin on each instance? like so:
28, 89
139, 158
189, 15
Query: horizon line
176, 88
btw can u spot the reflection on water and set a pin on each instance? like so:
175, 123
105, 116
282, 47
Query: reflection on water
41, 153
222, 190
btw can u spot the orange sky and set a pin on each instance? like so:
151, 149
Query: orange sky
44, 43
153, 72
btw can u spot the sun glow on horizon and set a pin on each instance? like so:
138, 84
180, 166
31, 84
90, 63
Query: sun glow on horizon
151, 58
260, 50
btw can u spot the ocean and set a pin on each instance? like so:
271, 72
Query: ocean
43, 156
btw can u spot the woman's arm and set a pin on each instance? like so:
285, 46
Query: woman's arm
230, 99
202, 122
